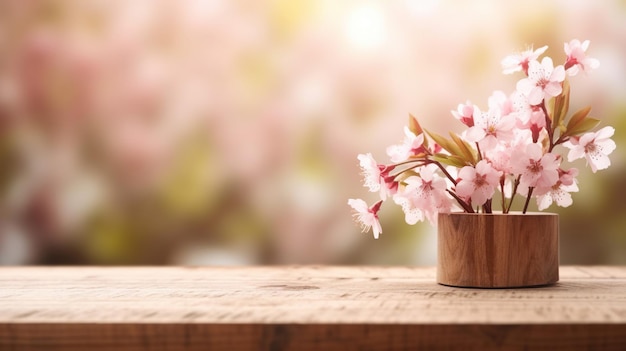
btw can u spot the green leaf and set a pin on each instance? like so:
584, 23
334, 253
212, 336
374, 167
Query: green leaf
583, 126
446, 144
580, 123
553, 105
468, 153
449, 160
561, 105
414, 125
405, 174
578, 116
566, 94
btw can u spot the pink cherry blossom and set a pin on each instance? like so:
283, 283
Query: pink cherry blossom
478, 184
536, 124
568, 177
371, 172
412, 214
412, 145
376, 177
536, 169
499, 100
426, 193
577, 59
465, 113
521, 108
519, 62
528, 116
544, 81
366, 216
500, 156
490, 127
511, 142
595, 147
428, 184
559, 192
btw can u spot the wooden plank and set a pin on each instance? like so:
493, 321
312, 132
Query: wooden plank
334, 308
140, 337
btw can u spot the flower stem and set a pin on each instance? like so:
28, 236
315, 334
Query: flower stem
487, 207
530, 194
480, 154
560, 140
415, 165
504, 210
515, 184
548, 125
462, 203
408, 162
444, 171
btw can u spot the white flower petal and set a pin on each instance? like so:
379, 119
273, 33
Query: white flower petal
592, 63
358, 205
464, 188
586, 139
511, 64
547, 65
535, 71
605, 133
572, 71
480, 196
524, 86
413, 215
544, 201
535, 96
468, 173
563, 198
598, 161
553, 89
607, 146
534, 152
575, 153
397, 153
377, 229
540, 51
558, 75
584, 45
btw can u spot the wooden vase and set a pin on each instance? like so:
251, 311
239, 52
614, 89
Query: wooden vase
498, 250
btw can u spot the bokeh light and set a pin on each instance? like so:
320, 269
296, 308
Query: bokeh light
226, 132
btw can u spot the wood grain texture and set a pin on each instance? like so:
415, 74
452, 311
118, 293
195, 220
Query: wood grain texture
303, 308
498, 251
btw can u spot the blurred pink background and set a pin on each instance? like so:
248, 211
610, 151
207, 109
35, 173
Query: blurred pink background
226, 132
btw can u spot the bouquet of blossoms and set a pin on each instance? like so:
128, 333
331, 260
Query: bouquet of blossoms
510, 148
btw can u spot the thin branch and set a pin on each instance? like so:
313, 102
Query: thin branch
463, 204
394, 174
515, 185
487, 206
444, 171
549, 127
503, 199
480, 154
530, 194
559, 141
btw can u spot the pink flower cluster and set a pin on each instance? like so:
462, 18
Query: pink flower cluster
508, 149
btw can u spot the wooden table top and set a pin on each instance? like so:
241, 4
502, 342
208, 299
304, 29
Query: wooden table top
302, 307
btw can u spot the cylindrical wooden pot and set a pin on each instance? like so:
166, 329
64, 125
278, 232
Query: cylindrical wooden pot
498, 250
